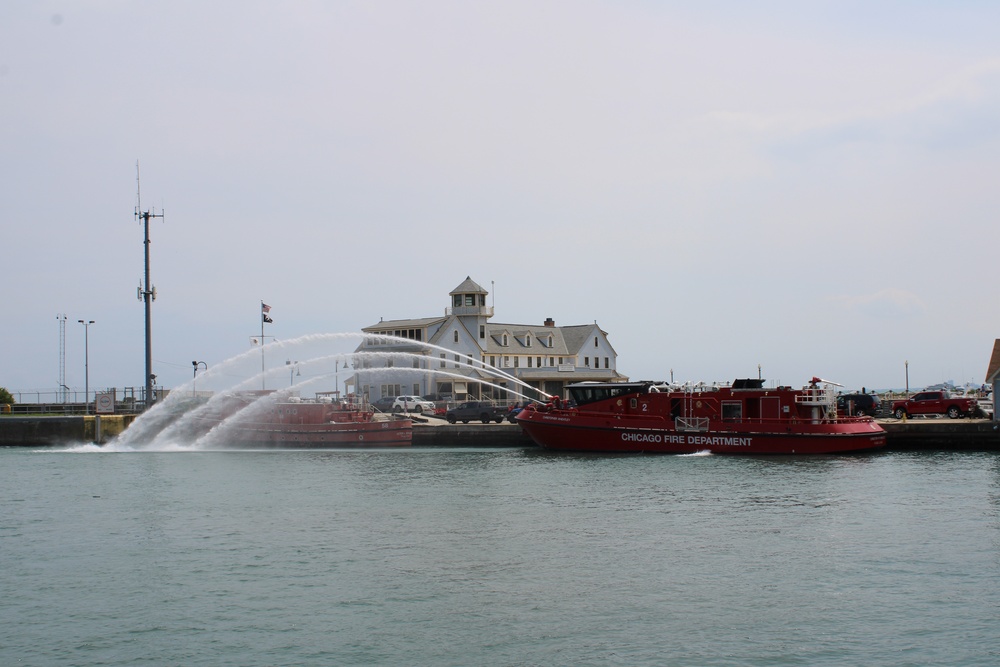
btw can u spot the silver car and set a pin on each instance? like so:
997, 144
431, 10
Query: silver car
412, 404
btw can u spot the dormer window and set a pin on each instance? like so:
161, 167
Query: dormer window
550, 340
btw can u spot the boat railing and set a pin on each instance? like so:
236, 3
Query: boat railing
816, 397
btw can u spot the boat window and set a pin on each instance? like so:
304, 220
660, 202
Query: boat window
732, 410
600, 392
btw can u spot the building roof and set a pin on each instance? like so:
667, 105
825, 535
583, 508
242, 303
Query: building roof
468, 286
404, 324
994, 368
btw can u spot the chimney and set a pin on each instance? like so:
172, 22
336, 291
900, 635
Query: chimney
549, 322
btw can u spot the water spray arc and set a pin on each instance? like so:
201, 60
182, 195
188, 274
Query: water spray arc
174, 421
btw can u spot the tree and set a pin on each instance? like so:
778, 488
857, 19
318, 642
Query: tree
5, 396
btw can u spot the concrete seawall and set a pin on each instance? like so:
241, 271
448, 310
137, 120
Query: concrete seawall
43, 431
914, 434
942, 434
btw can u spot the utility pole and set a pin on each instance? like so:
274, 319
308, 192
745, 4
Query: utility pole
62, 355
147, 293
86, 364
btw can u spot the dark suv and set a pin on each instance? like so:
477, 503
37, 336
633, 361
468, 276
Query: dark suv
859, 405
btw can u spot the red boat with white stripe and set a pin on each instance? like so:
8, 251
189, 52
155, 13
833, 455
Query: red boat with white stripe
741, 418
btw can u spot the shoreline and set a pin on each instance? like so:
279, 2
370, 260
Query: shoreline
908, 435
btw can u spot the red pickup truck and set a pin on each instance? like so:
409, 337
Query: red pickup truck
935, 403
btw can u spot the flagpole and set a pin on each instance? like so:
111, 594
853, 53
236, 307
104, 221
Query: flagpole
262, 318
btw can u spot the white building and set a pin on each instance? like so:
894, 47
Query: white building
464, 355
993, 376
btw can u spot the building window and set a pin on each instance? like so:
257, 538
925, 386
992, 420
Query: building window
506, 362
493, 361
456, 361
539, 360
505, 340
550, 340
527, 341
529, 362
416, 363
442, 360
456, 335
457, 301
470, 299
607, 362
416, 389
552, 361
482, 331
595, 341
482, 299
586, 362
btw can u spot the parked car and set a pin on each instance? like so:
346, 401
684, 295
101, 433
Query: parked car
384, 404
512, 415
859, 405
412, 404
484, 411
935, 403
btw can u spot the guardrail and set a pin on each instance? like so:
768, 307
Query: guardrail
128, 400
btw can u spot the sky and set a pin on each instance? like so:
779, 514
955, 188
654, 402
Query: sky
810, 188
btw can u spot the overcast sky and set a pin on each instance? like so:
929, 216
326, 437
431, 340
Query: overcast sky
812, 187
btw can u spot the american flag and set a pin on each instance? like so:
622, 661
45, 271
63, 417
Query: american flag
264, 307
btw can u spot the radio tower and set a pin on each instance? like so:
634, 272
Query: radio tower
146, 292
62, 355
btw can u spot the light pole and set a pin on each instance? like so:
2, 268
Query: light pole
86, 364
195, 364
336, 374
907, 364
293, 370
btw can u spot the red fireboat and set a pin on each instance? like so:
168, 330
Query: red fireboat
741, 418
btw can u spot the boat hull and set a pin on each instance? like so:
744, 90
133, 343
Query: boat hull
390, 433
565, 430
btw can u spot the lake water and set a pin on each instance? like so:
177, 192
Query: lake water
497, 557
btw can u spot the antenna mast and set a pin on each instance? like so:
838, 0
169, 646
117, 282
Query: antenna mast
146, 292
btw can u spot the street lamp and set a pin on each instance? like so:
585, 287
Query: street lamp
336, 373
86, 365
293, 370
195, 364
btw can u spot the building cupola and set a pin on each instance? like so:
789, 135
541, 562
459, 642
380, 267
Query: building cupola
469, 299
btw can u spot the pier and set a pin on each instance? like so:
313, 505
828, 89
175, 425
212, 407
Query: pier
910, 435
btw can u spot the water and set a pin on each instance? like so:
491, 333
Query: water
497, 557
